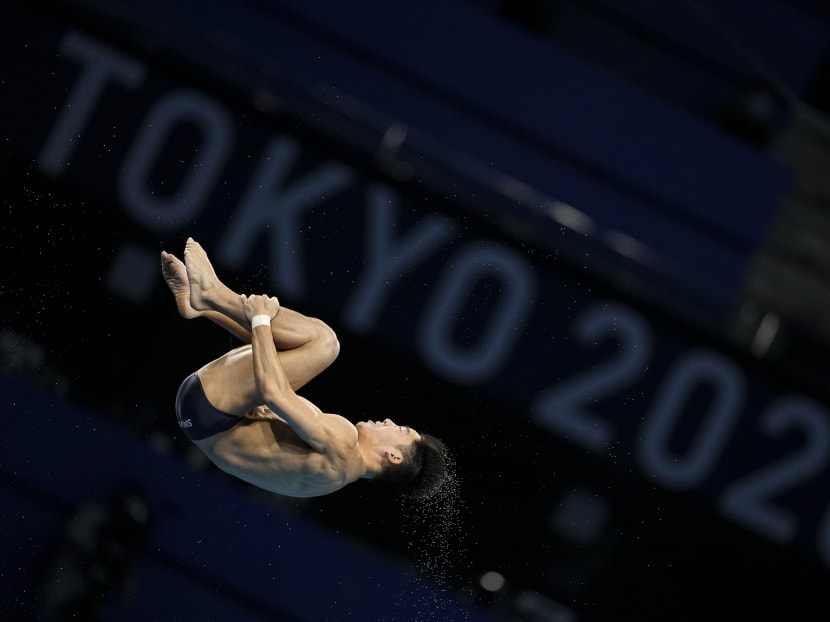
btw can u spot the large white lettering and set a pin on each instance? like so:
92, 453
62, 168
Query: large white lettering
270, 205
163, 211
701, 369
388, 256
517, 289
100, 67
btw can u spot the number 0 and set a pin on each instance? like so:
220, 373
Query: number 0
698, 369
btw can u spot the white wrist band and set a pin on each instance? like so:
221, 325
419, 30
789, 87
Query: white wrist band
260, 320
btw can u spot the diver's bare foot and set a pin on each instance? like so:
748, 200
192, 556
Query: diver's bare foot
200, 274
175, 275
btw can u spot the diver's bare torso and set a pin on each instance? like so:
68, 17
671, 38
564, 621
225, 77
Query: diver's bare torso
264, 450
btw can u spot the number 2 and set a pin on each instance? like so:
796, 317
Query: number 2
565, 409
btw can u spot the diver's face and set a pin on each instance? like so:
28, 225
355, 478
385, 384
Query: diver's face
389, 432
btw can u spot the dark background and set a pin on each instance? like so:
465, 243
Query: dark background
83, 325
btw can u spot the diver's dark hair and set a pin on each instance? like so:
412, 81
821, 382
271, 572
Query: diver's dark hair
421, 472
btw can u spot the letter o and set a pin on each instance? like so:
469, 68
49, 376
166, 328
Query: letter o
167, 212
477, 363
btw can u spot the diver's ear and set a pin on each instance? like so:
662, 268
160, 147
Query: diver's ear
394, 457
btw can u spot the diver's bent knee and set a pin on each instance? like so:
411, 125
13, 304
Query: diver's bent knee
332, 345
327, 341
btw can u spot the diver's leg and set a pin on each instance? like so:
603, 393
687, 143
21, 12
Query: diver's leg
306, 345
175, 275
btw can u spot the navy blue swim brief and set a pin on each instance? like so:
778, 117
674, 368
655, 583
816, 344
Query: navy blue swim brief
197, 417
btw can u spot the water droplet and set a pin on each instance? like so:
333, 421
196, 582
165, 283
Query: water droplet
435, 545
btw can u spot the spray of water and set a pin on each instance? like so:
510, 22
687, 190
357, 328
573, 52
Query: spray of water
436, 535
